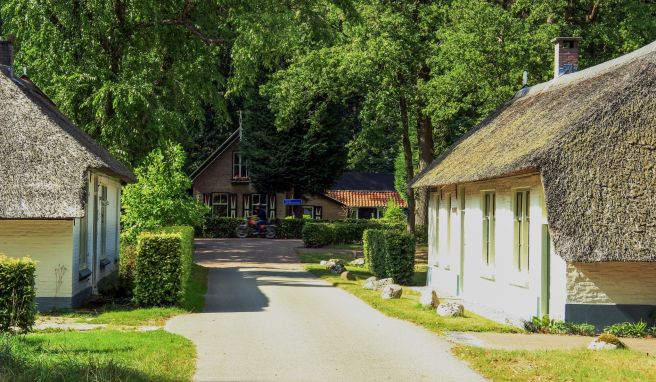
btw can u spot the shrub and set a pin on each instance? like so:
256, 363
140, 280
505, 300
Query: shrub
317, 235
548, 325
290, 228
390, 253
394, 213
222, 227
399, 256
163, 266
160, 198
127, 264
628, 329
610, 339
17, 293
421, 234
373, 251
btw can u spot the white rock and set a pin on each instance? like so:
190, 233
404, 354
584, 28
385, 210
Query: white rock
370, 283
451, 309
382, 283
391, 291
323, 262
358, 262
601, 345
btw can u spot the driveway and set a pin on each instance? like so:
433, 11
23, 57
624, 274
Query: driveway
268, 320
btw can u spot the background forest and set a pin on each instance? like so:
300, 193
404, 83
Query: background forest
320, 86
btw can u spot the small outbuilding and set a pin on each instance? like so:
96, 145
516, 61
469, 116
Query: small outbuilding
59, 194
547, 206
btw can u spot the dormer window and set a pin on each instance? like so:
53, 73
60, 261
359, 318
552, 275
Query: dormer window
239, 167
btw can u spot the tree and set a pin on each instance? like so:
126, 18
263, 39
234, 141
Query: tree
136, 74
306, 158
160, 196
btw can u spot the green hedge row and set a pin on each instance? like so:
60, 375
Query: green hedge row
17, 293
343, 232
390, 253
220, 227
163, 266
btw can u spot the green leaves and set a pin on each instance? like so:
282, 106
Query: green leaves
390, 253
17, 293
160, 197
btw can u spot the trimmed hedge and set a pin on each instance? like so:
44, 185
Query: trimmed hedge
343, 231
290, 228
390, 253
17, 293
221, 227
163, 266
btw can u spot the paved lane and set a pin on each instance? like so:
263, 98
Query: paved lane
268, 320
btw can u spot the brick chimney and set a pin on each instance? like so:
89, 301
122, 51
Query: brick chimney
566, 55
7, 52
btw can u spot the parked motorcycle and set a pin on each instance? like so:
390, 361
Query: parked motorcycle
249, 228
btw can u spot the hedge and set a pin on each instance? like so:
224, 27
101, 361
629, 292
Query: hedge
390, 253
343, 231
163, 266
290, 228
17, 293
221, 227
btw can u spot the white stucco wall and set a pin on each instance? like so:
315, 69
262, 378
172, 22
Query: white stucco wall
458, 269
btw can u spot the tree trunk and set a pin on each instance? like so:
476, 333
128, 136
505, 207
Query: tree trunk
409, 166
425, 151
298, 210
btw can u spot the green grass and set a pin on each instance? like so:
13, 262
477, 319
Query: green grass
100, 355
355, 247
118, 315
313, 258
560, 365
408, 307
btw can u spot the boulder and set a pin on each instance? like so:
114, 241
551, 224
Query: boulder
347, 275
606, 342
391, 291
429, 299
358, 262
337, 269
323, 262
370, 283
336, 261
451, 309
382, 283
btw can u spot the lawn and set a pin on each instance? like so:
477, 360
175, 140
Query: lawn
98, 355
407, 307
560, 365
128, 315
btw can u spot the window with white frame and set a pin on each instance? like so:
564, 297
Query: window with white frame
84, 237
220, 206
239, 167
521, 231
489, 210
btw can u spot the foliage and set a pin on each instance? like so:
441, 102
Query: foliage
394, 213
291, 228
628, 329
317, 235
126, 266
163, 266
221, 226
390, 253
421, 234
548, 325
306, 157
17, 293
97, 355
160, 196
610, 339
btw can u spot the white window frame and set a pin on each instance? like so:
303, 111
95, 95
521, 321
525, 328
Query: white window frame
214, 203
239, 166
521, 231
488, 209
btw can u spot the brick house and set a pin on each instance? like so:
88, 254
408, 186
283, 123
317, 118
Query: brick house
222, 182
546, 207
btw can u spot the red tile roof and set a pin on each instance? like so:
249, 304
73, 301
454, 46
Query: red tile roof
365, 198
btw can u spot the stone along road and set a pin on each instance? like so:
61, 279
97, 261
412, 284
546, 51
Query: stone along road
266, 319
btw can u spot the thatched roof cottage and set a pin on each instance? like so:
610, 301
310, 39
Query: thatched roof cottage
546, 207
59, 193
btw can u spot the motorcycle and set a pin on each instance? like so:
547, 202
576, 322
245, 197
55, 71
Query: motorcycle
250, 228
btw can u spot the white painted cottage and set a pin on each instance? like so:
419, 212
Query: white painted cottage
547, 206
59, 194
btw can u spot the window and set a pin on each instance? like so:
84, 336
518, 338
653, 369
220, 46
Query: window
522, 220
265, 201
220, 206
84, 237
489, 209
239, 167
308, 211
104, 202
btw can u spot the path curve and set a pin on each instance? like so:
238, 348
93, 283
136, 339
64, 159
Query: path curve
268, 320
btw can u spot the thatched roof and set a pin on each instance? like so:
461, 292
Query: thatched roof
592, 137
44, 158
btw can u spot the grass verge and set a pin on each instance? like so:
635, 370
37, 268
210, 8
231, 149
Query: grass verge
99, 355
128, 315
559, 365
408, 307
